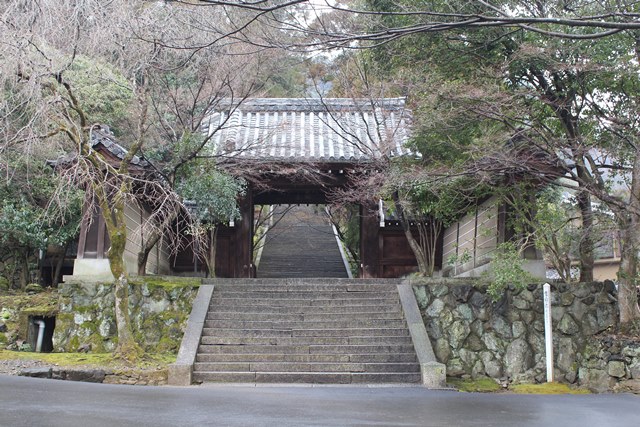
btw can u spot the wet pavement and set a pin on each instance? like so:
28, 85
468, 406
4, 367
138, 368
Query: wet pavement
37, 402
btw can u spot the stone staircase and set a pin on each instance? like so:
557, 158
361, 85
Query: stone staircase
301, 243
336, 331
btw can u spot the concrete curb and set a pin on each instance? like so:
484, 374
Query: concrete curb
433, 372
181, 371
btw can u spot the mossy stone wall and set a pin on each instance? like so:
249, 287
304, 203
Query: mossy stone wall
159, 308
476, 337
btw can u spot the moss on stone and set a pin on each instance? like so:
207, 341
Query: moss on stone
165, 282
97, 359
547, 388
479, 385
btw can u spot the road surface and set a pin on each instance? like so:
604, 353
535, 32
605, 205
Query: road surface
39, 402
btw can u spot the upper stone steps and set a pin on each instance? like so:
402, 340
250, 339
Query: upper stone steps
301, 243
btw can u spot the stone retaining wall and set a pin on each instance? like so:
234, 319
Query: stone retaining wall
475, 337
86, 320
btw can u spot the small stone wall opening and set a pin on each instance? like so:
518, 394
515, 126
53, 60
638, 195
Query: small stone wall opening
47, 339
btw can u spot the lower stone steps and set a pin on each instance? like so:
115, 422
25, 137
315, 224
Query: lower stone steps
308, 349
299, 325
307, 358
308, 377
286, 332
288, 310
311, 341
294, 331
305, 367
302, 317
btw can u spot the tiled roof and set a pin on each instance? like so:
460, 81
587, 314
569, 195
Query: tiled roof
311, 130
103, 136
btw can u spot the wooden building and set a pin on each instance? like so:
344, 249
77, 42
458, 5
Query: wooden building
299, 151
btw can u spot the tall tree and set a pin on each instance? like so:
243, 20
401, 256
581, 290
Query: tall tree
46, 51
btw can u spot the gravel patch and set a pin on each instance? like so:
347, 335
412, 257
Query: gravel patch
13, 367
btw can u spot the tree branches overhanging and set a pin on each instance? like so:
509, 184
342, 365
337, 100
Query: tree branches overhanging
326, 24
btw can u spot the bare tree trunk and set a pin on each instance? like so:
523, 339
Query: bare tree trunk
152, 240
586, 241
418, 251
628, 275
59, 264
127, 348
211, 256
145, 250
629, 280
24, 271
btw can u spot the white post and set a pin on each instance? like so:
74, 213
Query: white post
548, 334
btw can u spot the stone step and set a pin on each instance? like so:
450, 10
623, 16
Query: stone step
276, 309
220, 281
308, 377
297, 302
283, 324
309, 358
287, 332
350, 288
304, 349
243, 316
314, 341
311, 295
304, 367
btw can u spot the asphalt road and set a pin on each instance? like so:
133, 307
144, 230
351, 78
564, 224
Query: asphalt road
38, 402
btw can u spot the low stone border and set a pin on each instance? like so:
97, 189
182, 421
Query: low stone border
433, 372
181, 371
106, 376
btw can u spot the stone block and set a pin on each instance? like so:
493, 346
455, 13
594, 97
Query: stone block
501, 327
473, 343
422, 298
434, 374
518, 329
479, 300
180, 374
464, 311
581, 291
36, 372
462, 293
440, 290
596, 380
634, 370
566, 299
521, 304
468, 358
435, 308
518, 358
492, 342
455, 368
458, 333
616, 368
568, 325
566, 357
442, 350
492, 367
628, 386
